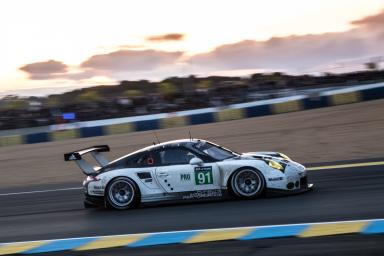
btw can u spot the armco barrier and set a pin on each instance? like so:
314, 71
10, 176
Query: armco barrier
203, 116
364, 227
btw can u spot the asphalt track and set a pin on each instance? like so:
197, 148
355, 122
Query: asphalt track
340, 194
345, 132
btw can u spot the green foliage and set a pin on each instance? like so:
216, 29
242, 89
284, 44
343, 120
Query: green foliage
53, 101
167, 88
204, 85
16, 105
90, 96
132, 93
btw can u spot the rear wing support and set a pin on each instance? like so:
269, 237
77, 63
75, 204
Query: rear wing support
97, 154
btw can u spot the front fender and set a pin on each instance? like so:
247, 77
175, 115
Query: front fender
229, 167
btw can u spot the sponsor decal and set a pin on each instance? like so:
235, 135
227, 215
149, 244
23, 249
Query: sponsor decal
275, 179
96, 192
203, 194
185, 177
203, 175
99, 187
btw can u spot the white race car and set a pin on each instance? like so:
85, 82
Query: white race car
185, 169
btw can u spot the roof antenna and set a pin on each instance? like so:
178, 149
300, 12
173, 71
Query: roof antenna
190, 136
158, 141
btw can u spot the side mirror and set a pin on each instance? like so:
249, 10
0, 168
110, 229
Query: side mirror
196, 161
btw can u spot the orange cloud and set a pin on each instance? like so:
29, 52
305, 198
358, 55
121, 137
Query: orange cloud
166, 37
299, 53
129, 60
291, 53
373, 20
45, 69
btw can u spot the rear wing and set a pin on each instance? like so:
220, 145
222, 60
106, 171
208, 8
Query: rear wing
97, 154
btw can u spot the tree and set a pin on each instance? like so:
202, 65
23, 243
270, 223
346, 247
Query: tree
16, 104
204, 85
132, 93
90, 96
371, 65
167, 88
53, 101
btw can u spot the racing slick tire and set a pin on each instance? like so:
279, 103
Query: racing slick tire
247, 183
122, 193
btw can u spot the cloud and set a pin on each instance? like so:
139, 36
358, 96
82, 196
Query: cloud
130, 46
130, 60
166, 37
45, 69
52, 69
373, 20
299, 53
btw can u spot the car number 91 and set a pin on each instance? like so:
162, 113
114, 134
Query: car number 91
203, 175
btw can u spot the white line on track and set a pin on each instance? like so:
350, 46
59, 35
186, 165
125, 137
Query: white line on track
40, 191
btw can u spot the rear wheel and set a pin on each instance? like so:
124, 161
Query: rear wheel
122, 193
247, 183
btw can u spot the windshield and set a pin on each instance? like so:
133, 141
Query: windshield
214, 151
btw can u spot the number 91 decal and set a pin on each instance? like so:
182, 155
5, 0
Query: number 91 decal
203, 175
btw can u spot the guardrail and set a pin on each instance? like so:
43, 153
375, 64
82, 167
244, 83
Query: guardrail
200, 116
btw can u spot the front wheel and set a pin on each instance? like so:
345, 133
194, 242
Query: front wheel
122, 193
247, 183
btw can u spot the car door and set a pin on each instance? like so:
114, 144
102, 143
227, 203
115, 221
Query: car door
176, 174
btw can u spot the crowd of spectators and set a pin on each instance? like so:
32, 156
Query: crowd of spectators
131, 98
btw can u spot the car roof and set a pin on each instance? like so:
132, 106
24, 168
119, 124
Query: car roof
172, 143
175, 143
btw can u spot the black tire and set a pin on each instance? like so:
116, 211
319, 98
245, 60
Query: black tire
247, 183
122, 193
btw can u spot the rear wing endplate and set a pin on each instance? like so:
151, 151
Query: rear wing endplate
97, 154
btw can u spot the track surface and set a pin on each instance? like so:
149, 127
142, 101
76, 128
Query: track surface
342, 194
343, 132
330, 134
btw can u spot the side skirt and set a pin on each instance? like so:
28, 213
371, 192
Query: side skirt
186, 196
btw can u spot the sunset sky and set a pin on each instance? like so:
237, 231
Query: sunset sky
51, 46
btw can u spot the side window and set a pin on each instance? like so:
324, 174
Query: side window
172, 156
144, 159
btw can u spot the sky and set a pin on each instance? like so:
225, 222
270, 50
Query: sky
53, 46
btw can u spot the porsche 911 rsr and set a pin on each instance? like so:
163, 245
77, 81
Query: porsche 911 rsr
186, 169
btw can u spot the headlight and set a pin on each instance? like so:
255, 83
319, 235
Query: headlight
275, 165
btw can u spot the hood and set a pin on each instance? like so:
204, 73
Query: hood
266, 154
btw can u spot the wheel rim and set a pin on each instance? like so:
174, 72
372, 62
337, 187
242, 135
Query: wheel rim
247, 183
121, 193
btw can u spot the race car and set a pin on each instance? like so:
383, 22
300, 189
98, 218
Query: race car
186, 169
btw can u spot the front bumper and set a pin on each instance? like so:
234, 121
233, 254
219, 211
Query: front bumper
282, 192
94, 200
